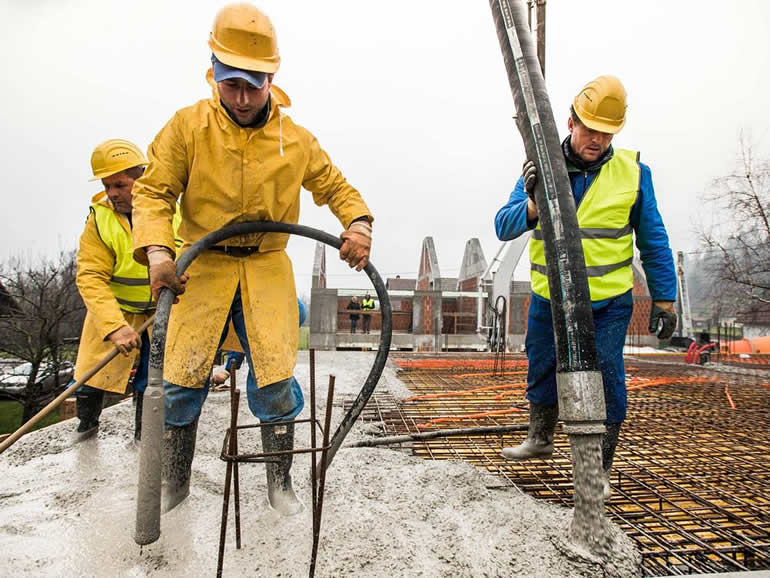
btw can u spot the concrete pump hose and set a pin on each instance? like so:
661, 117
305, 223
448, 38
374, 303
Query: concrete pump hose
579, 383
573, 323
149, 484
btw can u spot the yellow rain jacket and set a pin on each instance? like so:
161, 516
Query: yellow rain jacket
230, 174
113, 290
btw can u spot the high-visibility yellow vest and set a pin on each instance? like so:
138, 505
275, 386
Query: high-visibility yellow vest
367, 303
605, 230
130, 282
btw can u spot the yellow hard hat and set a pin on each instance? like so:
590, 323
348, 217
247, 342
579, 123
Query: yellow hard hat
243, 37
601, 104
113, 156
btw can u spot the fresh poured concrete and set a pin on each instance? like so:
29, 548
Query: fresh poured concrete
68, 509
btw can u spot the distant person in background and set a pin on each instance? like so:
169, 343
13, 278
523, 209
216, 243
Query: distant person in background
367, 305
354, 305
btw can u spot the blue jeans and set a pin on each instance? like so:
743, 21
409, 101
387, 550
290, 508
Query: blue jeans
142, 372
280, 401
611, 323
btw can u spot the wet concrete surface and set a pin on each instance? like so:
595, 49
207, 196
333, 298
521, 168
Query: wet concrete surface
70, 509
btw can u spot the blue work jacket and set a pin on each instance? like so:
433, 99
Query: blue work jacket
650, 233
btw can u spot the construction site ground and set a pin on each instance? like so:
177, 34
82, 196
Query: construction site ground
690, 490
691, 480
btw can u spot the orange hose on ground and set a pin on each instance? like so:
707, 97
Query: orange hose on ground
729, 397
506, 394
450, 363
673, 381
466, 391
461, 375
469, 416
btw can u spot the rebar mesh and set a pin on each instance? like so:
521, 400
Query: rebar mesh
691, 479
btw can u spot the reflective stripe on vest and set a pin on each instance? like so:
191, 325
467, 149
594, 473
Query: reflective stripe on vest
367, 303
129, 283
605, 231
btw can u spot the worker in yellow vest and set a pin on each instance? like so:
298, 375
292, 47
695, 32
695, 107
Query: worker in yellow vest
615, 200
235, 157
367, 304
114, 287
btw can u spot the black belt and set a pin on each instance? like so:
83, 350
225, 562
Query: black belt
235, 250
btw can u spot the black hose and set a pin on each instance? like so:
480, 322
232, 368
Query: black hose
386, 332
148, 500
567, 281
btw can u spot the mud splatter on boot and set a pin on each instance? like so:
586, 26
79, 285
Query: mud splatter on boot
178, 452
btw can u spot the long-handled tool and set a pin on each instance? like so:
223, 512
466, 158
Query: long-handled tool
65, 394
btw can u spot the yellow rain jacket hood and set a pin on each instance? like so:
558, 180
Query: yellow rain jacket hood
227, 174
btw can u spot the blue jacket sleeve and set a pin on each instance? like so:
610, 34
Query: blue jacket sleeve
652, 241
511, 220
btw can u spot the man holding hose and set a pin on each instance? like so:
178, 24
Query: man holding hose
237, 157
615, 200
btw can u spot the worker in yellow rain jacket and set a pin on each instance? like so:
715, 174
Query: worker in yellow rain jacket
114, 287
236, 157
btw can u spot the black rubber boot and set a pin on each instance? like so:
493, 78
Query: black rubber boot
539, 442
609, 443
275, 438
138, 402
88, 407
178, 452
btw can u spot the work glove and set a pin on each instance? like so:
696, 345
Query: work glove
662, 319
163, 274
125, 339
529, 174
357, 244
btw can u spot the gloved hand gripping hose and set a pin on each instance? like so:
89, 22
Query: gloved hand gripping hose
148, 497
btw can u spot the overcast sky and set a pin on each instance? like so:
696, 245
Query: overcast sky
409, 98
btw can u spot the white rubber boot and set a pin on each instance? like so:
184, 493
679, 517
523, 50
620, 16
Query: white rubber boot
275, 438
539, 442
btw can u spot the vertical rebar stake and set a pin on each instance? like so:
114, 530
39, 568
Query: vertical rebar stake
322, 481
232, 467
313, 479
235, 397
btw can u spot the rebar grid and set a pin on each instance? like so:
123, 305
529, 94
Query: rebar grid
691, 478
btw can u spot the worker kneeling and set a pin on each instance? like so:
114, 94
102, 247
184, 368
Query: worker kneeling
236, 157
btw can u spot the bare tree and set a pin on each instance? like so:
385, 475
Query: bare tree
738, 241
46, 312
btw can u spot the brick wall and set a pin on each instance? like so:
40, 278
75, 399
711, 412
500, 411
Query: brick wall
640, 318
